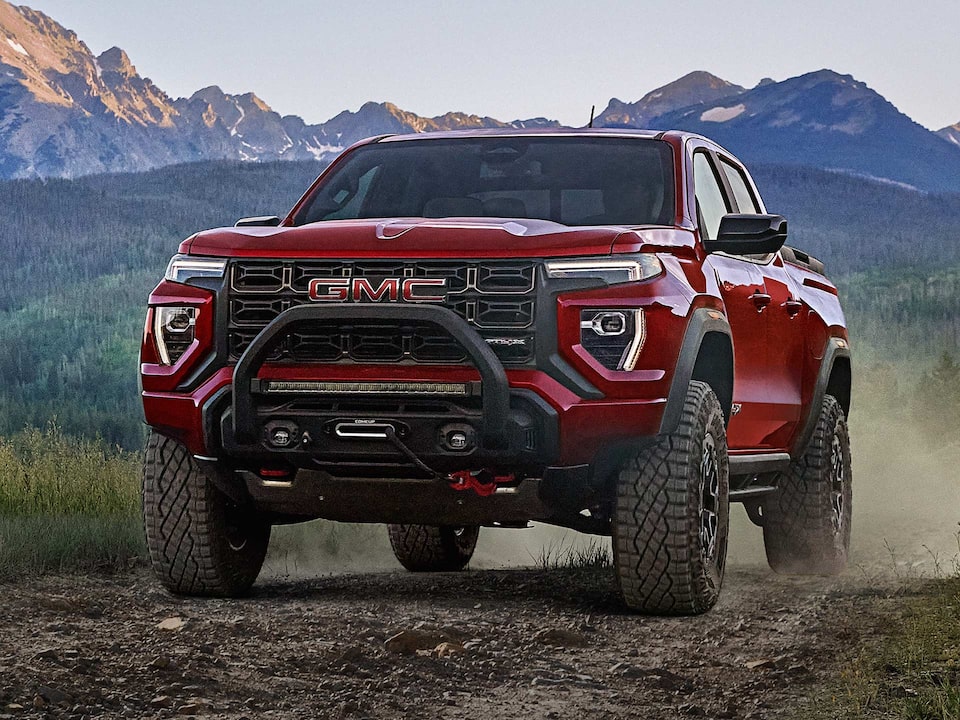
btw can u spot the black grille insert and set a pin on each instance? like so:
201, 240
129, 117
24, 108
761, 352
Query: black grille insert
497, 298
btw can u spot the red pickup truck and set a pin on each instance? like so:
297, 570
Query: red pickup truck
597, 329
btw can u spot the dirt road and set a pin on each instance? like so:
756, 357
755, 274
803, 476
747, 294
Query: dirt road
492, 644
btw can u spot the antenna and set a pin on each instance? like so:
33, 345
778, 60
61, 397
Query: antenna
592, 110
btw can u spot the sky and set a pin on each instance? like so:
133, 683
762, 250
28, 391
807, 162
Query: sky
520, 59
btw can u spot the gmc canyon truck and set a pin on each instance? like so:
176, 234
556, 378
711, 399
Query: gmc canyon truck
598, 329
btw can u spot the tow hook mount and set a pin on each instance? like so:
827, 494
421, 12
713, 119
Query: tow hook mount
482, 482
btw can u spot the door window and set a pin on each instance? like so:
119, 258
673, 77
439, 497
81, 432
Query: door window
738, 184
710, 201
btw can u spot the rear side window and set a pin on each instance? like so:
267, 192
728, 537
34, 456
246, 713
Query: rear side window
710, 200
738, 183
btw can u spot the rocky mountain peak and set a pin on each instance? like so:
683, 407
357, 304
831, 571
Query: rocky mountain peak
116, 60
66, 112
951, 134
694, 88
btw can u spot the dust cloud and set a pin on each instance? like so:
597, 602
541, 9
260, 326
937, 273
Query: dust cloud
906, 509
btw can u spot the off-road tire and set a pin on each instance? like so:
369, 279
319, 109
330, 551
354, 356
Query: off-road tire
425, 548
200, 542
806, 523
667, 563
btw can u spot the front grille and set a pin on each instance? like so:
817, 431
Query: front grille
497, 298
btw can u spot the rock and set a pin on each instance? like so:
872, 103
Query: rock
59, 603
448, 649
162, 662
53, 695
48, 654
762, 663
548, 681
626, 670
561, 637
161, 701
669, 681
194, 707
171, 623
408, 642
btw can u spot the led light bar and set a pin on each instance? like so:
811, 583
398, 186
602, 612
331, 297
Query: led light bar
310, 387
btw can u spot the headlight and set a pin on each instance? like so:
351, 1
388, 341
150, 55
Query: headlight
611, 269
614, 337
174, 329
185, 267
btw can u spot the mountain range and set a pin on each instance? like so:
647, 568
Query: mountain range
65, 112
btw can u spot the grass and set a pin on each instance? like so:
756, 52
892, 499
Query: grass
562, 556
66, 503
911, 670
907, 664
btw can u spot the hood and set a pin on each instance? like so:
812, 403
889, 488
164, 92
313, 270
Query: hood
409, 238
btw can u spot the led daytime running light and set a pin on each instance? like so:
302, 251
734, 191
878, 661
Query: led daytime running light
611, 269
186, 267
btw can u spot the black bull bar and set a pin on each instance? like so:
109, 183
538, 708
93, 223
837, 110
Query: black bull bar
495, 389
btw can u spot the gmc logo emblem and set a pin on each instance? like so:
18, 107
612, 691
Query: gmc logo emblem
391, 289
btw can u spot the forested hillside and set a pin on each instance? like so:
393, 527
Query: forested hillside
79, 258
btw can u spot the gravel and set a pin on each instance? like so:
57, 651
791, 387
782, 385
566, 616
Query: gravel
478, 645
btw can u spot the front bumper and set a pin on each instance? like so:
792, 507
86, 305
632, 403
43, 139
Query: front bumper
563, 412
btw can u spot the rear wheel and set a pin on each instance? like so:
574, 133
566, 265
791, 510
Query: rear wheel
200, 542
672, 514
806, 523
426, 548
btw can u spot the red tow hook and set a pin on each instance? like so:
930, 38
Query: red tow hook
482, 482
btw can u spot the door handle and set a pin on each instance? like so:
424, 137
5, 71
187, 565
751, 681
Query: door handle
792, 307
761, 300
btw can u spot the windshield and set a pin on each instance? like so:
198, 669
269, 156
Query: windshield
569, 180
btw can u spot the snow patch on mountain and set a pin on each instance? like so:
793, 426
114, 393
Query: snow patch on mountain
722, 114
17, 47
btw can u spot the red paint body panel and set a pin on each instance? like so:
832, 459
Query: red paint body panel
411, 238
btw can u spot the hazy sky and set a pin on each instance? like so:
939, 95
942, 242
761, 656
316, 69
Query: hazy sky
521, 59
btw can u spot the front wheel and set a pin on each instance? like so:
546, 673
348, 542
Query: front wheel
426, 548
672, 514
806, 523
200, 542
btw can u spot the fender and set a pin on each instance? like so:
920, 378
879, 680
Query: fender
702, 322
836, 348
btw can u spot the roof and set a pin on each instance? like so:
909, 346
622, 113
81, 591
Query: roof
520, 132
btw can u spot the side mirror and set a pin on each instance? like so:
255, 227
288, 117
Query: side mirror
262, 221
749, 235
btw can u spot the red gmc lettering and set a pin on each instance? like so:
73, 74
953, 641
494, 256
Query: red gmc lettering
323, 290
410, 285
360, 289
362, 286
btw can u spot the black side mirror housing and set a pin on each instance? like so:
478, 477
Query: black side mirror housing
262, 221
749, 235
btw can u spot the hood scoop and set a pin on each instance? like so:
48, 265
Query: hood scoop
391, 229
